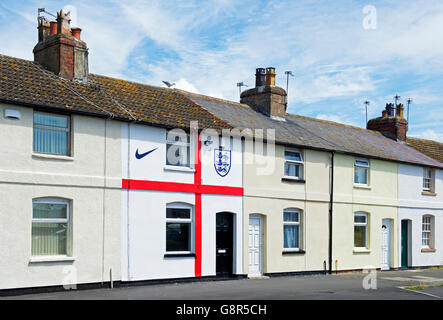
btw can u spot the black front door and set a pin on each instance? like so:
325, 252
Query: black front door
404, 243
224, 244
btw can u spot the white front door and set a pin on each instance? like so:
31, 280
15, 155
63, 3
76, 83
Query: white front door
386, 244
255, 245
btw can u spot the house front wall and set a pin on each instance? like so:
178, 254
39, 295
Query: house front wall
267, 195
378, 200
413, 205
91, 185
151, 186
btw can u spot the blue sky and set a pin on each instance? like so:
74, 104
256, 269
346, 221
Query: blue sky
209, 46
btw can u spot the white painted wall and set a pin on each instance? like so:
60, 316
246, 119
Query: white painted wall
80, 179
413, 205
143, 230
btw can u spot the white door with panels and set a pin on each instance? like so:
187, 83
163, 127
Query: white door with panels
386, 244
255, 245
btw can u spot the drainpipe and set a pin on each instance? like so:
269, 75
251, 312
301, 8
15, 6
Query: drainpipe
331, 203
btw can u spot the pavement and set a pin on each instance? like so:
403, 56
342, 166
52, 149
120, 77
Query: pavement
385, 285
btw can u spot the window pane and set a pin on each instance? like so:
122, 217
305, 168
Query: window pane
178, 155
49, 211
360, 218
359, 236
49, 239
290, 216
292, 170
292, 155
50, 141
174, 213
360, 175
291, 236
50, 120
178, 236
362, 163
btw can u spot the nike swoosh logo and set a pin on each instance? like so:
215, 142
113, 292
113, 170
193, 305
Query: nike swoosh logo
140, 156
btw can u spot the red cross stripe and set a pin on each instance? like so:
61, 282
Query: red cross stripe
197, 188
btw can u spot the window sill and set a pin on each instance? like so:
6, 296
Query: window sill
292, 179
362, 186
177, 168
293, 252
362, 250
428, 250
51, 259
51, 156
179, 255
427, 193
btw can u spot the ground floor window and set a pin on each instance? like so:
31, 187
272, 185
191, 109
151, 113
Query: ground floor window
179, 228
50, 227
291, 229
427, 228
360, 230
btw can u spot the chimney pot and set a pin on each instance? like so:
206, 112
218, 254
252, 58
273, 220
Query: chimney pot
399, 110
390, 109
53, 27
260, 77
76, 33
384, 114
63, 23
270, 76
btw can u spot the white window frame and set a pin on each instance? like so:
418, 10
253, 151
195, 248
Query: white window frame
300, 163
428, 180
189, 146
367, 167
362, 224
66, 220
190, 221
67, 130
293, 223
427, 232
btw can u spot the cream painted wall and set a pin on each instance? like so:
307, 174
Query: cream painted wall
379, 200
268, 195
80, 178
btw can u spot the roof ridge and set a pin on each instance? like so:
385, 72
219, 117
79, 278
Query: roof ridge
416, 138
329, 121
15, 58
134, 82
214, 98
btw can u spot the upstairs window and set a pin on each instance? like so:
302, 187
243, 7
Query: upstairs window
178, 149
360, 230
291, 229
178, 228
428, 180
51, 134
293, 164
361, 172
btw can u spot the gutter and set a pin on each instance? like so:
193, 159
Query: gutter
331, 204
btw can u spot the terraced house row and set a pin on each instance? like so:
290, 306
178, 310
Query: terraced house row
104, 180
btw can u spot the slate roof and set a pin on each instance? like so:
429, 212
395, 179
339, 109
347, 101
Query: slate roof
314, 133
430, 148
26, 83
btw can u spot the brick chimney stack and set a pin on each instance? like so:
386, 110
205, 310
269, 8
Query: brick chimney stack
60, 49
391, 124
266, 97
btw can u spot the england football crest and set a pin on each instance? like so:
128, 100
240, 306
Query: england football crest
222, 162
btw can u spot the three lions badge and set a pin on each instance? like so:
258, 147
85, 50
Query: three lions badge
222, 162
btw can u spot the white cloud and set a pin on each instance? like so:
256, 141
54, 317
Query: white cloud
186, 85
429, 134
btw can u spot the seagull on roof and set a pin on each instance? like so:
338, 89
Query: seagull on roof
168, 84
